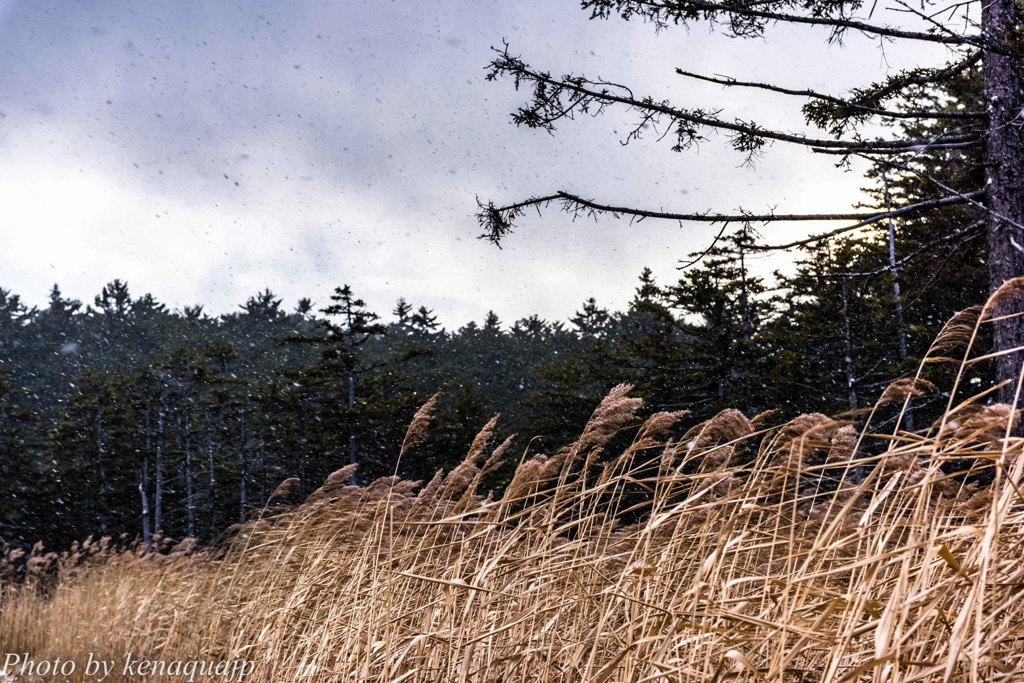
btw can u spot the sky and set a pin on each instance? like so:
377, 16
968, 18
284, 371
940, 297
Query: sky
204, 151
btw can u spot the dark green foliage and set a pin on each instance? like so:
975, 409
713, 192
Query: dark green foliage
126, 417
24, 473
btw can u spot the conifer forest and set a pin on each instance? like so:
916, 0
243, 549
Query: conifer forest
120, 416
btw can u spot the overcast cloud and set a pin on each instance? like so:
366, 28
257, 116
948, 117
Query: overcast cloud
206, 150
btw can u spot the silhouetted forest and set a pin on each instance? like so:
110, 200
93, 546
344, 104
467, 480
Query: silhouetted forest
124, 417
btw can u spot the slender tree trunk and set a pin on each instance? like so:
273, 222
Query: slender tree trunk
190, 501
101, 470
100, 449
261, 463
304, 442
897, 298
351, 425
243, 466
211, 481
147, 531
158, 518
1004, 169
848, 349
746, 342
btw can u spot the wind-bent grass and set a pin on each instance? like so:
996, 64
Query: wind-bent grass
737, 552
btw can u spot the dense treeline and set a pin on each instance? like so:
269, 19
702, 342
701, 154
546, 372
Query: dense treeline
126, 417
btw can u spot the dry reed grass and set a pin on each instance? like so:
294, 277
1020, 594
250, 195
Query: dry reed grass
756, 553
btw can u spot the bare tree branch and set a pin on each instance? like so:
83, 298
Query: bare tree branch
700, 257
683, 10
499, 221
941, 28
968, 232
902, 211
907, 168
556, 98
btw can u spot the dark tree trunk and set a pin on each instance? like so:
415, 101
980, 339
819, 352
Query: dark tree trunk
190, 503
211, 479
101, 468
147, 531
1004, 162
243, 473
353, 457
897, 300
158, 517
851, 388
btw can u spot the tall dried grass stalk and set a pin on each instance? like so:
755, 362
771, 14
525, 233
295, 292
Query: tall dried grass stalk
740, 551
419, 425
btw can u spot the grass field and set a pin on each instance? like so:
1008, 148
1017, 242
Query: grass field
739, 550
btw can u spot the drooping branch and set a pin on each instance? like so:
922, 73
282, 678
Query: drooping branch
557, 98
746, 20
499, 221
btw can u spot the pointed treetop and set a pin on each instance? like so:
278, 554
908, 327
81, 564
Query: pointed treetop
592, 320
491, 322
304, 306
264, 306
424, 321
114, 300
402, 311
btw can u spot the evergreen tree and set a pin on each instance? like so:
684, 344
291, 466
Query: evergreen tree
13, 317
92, 443
26, 475
592, 320
342, 342
56, 352
652, 347
114, 300
402, 312
824, 348
723, 307
304, 307
423, 321
264, 306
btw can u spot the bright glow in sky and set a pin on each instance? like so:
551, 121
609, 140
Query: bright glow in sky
204, 151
